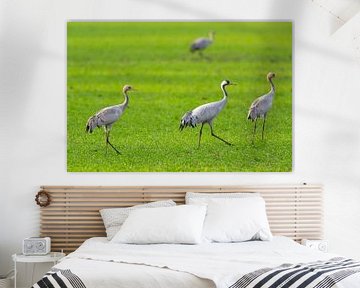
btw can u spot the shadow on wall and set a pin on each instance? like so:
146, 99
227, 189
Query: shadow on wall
22, 40
22, 35
336, 129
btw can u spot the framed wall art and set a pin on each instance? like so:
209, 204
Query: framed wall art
179, 96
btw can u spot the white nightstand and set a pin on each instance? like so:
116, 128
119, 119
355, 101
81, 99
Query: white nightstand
320, 245
53, 257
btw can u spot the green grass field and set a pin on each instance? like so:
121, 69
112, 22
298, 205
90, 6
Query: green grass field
155, 59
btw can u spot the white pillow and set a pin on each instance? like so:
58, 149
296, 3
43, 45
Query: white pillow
204, 198
236, 220
113, 218
180, 224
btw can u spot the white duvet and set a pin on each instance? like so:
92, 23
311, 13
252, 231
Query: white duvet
100, 263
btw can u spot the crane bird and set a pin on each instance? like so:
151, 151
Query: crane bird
206, 114
107, 116
261, 106
202, 43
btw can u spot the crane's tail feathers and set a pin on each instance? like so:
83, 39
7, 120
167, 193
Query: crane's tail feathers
193, 47
187, 120
91, 124
252, 115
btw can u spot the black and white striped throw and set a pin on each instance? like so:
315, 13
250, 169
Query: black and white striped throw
59, 278
320, 274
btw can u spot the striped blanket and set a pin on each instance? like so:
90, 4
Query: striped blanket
59, 278
320, 274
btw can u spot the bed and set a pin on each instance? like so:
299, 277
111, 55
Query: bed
294, 211
99, 263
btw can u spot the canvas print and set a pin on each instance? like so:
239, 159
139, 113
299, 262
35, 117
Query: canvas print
179, 96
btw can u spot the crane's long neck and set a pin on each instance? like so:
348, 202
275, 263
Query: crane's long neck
223, 101
224, 92
272, 86
126, 101
211, 36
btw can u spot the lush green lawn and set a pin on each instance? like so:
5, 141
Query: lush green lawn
155, 59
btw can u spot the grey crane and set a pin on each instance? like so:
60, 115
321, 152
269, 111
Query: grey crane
107, 116
206, 114
261, 106
202, 43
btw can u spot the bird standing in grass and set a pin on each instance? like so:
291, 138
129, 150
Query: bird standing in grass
106, 117
260, 107
206, 114
202, 43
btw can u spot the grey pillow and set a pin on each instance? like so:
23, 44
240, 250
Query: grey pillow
203, 198
113, 218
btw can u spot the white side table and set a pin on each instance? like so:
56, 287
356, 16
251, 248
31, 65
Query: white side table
53, 257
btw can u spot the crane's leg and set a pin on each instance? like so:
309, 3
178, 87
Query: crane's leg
254, 132
263, 128
213, 134
106, 130
117, 151
203, 56
108, 142
200, 133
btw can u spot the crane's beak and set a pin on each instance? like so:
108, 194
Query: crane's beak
233, 84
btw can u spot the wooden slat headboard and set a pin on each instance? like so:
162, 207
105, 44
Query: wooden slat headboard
73, 215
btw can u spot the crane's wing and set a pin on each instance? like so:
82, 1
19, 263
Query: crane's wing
209, 111
108, 115
260, 106
202, 114
200, 43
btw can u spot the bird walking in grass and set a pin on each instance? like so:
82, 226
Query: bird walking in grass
206, 114
261, 106
202, 43
106, 117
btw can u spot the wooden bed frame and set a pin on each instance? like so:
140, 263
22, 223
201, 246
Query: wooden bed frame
73, 215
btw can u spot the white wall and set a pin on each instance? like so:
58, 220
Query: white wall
33, 107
